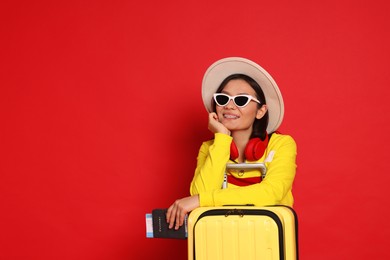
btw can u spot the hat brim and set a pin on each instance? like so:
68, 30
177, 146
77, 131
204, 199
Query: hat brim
223, 68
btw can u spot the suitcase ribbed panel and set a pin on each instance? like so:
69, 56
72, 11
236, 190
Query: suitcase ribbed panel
242, 237
238, 235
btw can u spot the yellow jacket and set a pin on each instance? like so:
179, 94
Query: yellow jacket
275, 189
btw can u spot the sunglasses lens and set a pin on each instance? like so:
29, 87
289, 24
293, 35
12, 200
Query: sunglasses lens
221, 100
241, 101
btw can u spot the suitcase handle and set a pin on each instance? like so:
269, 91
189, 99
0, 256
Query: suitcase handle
248, 166
244, 166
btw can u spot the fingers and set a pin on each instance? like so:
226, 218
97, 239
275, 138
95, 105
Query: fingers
180, 218
177, 223
176, 215
169, 216
214, 124
213, 115
177, 212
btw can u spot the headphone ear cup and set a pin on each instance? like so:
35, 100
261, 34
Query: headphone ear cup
233, 151
254, 149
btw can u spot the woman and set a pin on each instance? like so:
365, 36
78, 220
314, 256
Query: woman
245, 109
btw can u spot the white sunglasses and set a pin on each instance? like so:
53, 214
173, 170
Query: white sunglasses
222, 99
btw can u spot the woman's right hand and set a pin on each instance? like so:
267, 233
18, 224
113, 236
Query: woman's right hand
177, 211
215, 126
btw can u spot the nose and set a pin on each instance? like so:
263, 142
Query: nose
230, 104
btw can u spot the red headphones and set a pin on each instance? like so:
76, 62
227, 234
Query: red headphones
254, 150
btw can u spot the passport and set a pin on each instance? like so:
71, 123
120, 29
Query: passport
161, 227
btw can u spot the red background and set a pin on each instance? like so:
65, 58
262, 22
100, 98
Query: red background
102, 117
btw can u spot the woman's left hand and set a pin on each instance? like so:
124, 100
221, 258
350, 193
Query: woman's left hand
178, 210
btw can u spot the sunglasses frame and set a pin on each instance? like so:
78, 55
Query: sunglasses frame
250, 98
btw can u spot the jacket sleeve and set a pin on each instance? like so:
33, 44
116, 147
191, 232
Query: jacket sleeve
275, 187
212, 158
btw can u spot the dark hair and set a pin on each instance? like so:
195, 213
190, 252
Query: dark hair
259, 125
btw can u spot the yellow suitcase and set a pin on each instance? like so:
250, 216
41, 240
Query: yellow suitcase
243, 233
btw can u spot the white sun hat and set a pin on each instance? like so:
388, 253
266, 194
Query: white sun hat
223, 68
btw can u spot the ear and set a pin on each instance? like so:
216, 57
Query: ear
261, 111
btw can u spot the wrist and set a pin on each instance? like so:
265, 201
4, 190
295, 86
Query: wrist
197, 201
225, 131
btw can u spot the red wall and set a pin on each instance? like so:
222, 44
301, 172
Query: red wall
102, 117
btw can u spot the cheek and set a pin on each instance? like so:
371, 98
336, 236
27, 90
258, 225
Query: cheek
249, 115
249, 112
249, 120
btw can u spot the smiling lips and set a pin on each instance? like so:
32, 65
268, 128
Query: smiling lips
230, 116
